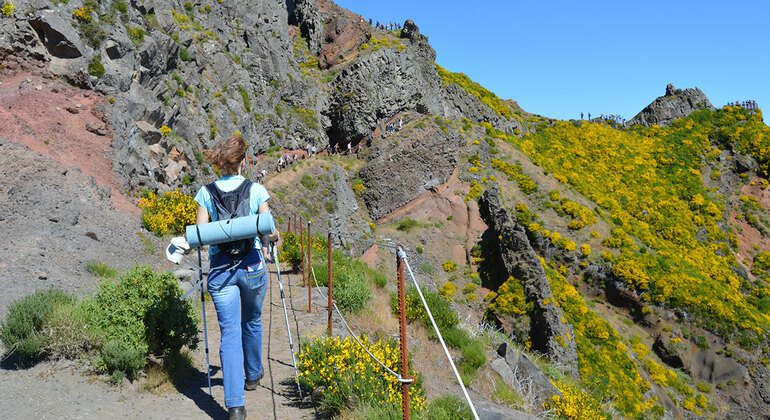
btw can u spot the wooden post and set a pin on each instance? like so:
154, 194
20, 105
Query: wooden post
302, 248
402, 334
309, 268
329, 247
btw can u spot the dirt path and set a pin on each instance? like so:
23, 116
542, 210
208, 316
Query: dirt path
276, 396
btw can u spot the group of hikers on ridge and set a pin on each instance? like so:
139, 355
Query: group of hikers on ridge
390, 26
748, 104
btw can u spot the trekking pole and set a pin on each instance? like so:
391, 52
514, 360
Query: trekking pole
286, 317
205, 332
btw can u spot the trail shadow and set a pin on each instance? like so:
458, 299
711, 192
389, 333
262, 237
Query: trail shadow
195, 389
289, 391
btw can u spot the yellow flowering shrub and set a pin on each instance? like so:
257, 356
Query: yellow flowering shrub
167, 213
603, 362
449, 266
485, 96
511, 299
447, 290
585, 250
165, 130
576, 404
514, 172
82, 14
7, 9
656, 201
345, 371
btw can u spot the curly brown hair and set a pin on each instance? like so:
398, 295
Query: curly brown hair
227, 154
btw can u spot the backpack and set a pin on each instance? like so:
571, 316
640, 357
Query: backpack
230, 205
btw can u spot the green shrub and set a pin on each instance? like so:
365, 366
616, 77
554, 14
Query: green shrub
120, 356
447, 407
426, 267
470, 288
142, 310
308, 182
353, 292
290, 251
95, 67
330, 206
22, 330
101, 269
406, 225
184, 55
66, 334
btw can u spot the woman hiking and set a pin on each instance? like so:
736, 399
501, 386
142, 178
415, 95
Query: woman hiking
237, 280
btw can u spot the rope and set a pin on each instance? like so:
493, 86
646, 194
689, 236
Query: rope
397, 375
365, 240
402, 254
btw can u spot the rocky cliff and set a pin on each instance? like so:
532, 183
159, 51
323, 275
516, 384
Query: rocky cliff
676, 103
548, 333
281, 73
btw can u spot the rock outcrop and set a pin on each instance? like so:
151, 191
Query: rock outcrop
547, 332
676, 103
407, 164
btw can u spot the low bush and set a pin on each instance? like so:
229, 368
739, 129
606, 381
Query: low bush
22, 330
406, 225
101, 269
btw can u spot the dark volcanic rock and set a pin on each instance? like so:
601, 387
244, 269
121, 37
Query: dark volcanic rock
397, 174
411, 31
58, 35
521, 262
305, 15
676, 103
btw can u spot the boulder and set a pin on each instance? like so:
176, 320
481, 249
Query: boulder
411, 31
489, 411
57, 35
548, 334
676, 103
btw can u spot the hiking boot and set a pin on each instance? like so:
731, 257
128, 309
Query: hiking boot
252, 385
237, 413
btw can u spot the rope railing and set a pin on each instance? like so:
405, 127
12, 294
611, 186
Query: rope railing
355, 337
401, 261
438, 333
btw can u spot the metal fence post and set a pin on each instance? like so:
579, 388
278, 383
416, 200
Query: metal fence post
302, 248
309, 268
402, 334
329, 247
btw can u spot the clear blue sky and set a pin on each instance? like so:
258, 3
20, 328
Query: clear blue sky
558, 58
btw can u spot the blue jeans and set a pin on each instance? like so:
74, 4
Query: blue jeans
238, 292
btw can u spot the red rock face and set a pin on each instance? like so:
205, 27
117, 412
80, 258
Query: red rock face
342, 37
63, 123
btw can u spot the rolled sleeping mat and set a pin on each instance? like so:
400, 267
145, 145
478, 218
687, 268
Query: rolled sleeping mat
229, 230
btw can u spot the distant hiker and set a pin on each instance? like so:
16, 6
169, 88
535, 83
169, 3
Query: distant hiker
400, 124
370, 21
264, 176
581, 115
589, 116
313, 149
369, 141
328, 150
349, 147
336, 148
237, 281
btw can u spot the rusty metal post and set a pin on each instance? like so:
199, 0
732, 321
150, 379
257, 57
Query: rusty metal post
309, 268
402, 334
329, 247
302, 248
